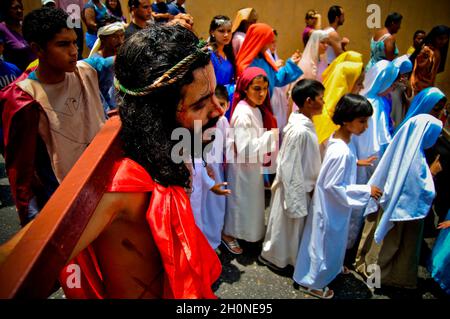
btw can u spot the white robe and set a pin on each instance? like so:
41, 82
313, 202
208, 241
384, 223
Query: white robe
214, 216
323, 245
244, 218
298, 166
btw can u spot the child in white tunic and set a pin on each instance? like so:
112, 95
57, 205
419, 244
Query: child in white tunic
323, 245
252, 138
215, 204
298, 165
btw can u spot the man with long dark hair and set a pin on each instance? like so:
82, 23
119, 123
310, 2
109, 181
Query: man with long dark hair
142, 240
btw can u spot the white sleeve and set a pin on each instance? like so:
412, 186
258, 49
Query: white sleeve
355, 195
247, 141
292, 177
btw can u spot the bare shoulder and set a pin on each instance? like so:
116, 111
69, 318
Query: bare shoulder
125, 205
334, 36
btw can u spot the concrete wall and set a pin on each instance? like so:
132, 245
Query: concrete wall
287, 16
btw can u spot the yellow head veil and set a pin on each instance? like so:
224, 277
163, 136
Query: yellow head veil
338, 79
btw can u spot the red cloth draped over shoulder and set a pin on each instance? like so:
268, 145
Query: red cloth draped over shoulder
190, 264
258, 36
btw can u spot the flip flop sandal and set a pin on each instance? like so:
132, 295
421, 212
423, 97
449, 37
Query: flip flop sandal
232, 244
312, 292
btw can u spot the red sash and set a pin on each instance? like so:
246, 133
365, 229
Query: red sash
190, 264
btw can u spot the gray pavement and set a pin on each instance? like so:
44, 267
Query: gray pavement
243, 277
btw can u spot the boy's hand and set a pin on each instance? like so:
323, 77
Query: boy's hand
216, 189
375, 192
444, 225
366, 162
296, 57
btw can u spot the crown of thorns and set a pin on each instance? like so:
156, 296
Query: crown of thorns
176, 73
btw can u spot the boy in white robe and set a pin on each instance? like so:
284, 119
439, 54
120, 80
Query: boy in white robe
323, 245
208, 195
298, 165
215, 204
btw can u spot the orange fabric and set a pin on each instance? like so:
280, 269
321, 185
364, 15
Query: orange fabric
190, 264
425, 69
258, 36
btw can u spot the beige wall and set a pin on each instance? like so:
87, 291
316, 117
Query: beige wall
287, 16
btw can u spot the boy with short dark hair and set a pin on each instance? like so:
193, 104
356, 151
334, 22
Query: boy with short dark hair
50, 114
298, 165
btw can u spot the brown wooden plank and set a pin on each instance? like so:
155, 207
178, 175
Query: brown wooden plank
34, 265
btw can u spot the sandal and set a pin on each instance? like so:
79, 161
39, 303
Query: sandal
324, 293
232, 246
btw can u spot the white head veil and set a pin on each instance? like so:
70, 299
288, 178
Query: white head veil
310, 58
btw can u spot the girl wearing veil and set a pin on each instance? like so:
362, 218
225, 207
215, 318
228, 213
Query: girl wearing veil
378, 83
401, 95
392, 231
243, 20
310, 61
428, 101
341, 77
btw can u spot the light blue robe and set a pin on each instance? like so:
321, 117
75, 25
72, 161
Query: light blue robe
404, 176
324, 241
439, 263
423, 103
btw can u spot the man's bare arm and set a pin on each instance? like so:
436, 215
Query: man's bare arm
108, 208
389, 45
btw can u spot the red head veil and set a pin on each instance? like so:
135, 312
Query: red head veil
242, 84
257, 37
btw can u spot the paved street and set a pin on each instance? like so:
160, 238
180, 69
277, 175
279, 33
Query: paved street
242, 276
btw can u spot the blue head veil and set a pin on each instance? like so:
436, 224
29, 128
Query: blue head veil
404, 176
423, 103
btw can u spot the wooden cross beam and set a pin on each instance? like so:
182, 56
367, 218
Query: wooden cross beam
32, 268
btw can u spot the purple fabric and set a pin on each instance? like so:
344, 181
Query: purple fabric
17, 51
305, 35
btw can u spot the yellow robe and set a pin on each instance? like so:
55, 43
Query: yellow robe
338, 78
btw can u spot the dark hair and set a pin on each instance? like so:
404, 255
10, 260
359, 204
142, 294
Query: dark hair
133, 4
393, 17
350, 107
148, 121
430, 39
117, 11
310, 14
221, 92
228, 49
5, 5
41, 25
333, 13
417, 33
304, 89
